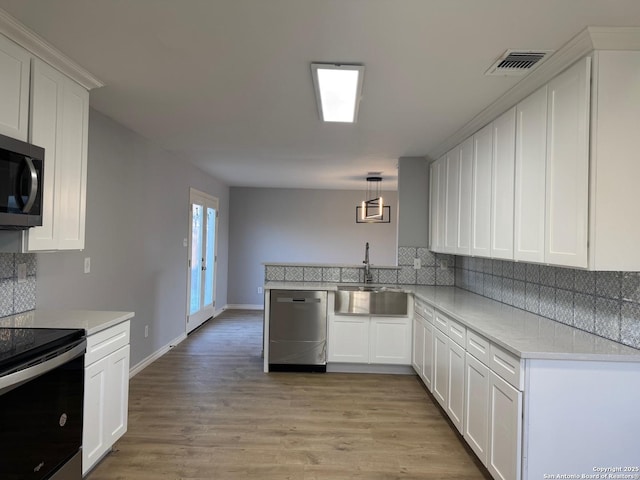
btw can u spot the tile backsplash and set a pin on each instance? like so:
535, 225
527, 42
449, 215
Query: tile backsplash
604, 303
430, 272
17, 297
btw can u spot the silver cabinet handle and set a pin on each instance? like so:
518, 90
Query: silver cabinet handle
33, 188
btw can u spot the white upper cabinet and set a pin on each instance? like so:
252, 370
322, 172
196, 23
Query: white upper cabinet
481, 192
502, 185
452, 166
14, 89
615, 169
531, 156
438, 197
464, 197
59, 123
567, 175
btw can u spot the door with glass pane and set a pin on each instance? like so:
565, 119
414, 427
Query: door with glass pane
203, 221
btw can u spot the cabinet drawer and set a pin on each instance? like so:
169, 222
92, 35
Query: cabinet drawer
424, 310
106, 342
441, 322
478, 347
457, 332
505, 365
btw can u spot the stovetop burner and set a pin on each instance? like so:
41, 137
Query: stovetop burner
19, 346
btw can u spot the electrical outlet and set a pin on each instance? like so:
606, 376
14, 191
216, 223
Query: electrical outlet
185, 242
22, 272
259, 290
443, 265
416, 263
146, 331
87, 264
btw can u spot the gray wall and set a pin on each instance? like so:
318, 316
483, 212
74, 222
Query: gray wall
413, 198
299, 225
137, 218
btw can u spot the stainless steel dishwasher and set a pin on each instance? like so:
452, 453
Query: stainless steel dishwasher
298, 331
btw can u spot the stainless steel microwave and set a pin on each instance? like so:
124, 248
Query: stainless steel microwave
21, 180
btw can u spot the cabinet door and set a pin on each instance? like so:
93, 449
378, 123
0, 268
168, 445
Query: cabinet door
465, 182
481, 192
390, 340
14, 89
417, 359
118, 392
452, 172
59, 121
427, 367
433, 206
96, 385
438, 204
348, 339
505, 429
456, 397
476, 411
440, 367
46, 122
502, 185
567, 176
531, 155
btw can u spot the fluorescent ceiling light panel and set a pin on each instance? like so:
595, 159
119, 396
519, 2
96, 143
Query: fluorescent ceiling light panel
338, 91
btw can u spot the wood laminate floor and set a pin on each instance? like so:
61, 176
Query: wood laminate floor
205, 410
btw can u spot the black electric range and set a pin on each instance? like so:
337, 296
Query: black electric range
21, 347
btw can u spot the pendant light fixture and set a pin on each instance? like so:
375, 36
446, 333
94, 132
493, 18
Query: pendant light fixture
373, 205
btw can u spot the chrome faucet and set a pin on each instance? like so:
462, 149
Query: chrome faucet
368, 277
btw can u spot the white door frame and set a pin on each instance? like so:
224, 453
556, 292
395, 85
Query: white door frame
208, 201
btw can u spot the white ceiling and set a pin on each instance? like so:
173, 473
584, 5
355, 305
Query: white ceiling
227, 83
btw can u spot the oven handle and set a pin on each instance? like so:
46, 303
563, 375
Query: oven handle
13, 380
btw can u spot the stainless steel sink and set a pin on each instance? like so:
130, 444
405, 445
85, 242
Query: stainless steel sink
370, 300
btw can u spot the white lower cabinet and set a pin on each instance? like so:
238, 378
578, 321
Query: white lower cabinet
422, 359
440, 367
364, 339
476, 412
106, 395
417, 353
456, 387
505, 429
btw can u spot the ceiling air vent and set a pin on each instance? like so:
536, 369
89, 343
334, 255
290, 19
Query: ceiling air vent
517, 62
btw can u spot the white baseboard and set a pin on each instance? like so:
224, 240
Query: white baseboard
244, 306
155, 355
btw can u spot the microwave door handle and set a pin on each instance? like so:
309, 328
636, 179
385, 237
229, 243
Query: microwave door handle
33, 189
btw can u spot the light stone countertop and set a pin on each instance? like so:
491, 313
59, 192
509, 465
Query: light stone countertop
92, 321
522, 333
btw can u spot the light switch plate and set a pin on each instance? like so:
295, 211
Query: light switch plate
416, 263
87, 264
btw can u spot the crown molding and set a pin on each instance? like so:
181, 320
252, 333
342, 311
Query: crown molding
39, 47
585, 42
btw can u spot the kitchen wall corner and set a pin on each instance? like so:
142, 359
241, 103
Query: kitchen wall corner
17, 297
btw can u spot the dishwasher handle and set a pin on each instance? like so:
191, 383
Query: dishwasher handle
298, 300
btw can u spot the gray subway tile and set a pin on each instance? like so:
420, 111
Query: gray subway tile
507, 269
427, 276
497, 267
630, 324
312, 274
406, 255
532, 297
388, 276
519, 271
330, 274
547, 301
487, 266
533, 273
608, 318
407, 275
507, 291
519, 294
631, 286
274, 273
564, 306
586, 282
584, 314
547, 276
565, 278
609, 284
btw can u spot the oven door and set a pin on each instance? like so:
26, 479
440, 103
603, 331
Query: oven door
41, 423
